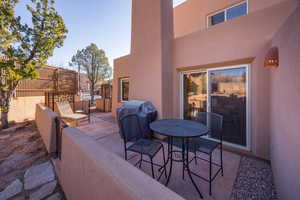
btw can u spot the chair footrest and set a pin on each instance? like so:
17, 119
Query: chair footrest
213, 163
146, 161
205, 179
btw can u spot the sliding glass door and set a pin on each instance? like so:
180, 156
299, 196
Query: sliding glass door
195, 94
222, 91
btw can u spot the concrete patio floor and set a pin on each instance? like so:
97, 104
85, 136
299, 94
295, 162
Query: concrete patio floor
104, 130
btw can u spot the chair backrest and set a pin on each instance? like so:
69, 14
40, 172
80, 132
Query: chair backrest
214, 122
202, 117
130, 128
64, 108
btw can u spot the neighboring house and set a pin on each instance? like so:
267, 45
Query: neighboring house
208, 55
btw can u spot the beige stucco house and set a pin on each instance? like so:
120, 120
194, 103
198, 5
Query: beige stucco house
206, 55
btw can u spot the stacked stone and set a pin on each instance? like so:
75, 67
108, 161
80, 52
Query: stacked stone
39, 182
25, 169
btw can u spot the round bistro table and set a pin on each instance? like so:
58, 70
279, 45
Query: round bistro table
182, 130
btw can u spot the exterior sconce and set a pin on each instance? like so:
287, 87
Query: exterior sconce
272, 58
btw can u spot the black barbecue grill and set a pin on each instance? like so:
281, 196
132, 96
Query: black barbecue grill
146, 114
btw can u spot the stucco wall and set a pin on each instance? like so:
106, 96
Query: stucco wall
23, 108
246, 37
192, 15
121, 70
87, 171
285, 109
46, 124
151, 57
235, 39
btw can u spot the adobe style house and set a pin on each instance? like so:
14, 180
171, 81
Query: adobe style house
237, 58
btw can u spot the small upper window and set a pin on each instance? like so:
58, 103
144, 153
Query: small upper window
228, 14
124, 89
217, 18
236, 11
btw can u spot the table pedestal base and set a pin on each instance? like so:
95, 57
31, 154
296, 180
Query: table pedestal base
184, 160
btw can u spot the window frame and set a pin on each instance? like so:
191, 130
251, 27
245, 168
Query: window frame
121, 89
208, 24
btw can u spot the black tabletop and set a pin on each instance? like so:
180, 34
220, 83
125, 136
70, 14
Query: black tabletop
178, 128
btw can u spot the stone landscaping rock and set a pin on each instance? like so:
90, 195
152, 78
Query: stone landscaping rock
34, 146
23, 152
23, 134
34, 159
11, 129
2, 146
56, 196
21, 142
44, 191
13, 175
38, 175
11, 161
12, 190
15, 127
4, 137
3, 184
21, 197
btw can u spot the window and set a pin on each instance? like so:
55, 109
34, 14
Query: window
124, 89
235, 11
217, 18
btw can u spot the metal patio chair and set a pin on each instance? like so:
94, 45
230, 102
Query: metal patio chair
140, 145
215, 123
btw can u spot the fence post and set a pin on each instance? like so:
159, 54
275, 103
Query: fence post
53, 102
73, 96
58, 137
89, 111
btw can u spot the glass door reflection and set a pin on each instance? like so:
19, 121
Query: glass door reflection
222, 91
195, 94
228, 98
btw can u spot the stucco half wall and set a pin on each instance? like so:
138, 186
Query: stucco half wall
46, 122
88, 171
285, 110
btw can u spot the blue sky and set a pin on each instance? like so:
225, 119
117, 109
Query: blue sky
106, 23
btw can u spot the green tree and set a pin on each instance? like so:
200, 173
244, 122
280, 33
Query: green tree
7, 15
94, 63
26, 48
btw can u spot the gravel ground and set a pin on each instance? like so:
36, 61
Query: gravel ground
254, 181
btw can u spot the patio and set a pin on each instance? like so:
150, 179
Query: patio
243, 177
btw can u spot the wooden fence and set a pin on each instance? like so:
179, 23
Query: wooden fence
51, 79
106, 91
52, 97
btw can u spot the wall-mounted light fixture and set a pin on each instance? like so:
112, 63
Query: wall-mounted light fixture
272, 58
